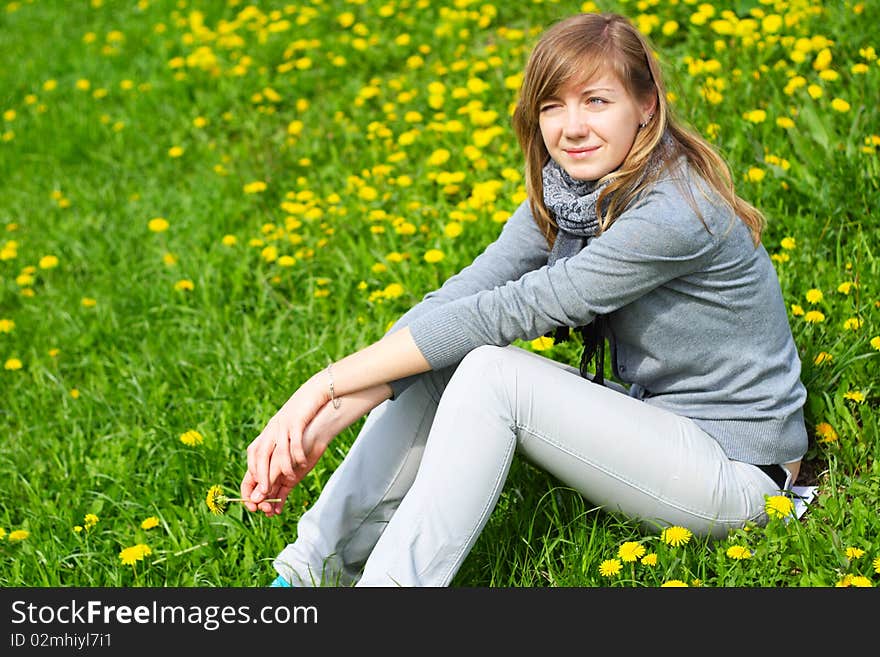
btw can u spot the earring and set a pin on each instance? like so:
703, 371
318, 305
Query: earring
645, 123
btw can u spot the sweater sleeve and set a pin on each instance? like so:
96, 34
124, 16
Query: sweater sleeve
645, 248
520, 247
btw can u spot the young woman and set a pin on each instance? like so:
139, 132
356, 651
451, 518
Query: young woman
632, 232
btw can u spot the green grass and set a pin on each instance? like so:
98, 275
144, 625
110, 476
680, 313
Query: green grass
82, 172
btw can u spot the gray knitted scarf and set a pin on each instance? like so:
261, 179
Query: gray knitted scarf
572, 203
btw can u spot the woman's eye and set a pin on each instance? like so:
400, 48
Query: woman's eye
549, 106
596, 101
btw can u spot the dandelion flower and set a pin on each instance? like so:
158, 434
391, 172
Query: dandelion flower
254, 187
6, 325
778, 506
845, 287
826, 433
90, 520
823, 357
3, 534
853, 324
131, 555
542, 343
854, 553
860, 581
796, 309
191, 438
840, 105
674, 583
876, 564
875, 342
650, 559
158, 224
814, 317
610, 567
814, 295
738, 552
18, 535
434, 255
175, 151
48, 262
218, 502
150, 522
184, 285
675, 535
854, 395
631, 551
88, 302
12, 364
788, 243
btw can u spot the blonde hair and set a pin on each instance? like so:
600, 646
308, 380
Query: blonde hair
577, 49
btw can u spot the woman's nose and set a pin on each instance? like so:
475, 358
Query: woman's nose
576, 124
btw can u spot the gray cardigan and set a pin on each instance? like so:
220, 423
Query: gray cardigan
698, 324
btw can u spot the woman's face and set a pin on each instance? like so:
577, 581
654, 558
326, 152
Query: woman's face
589, 128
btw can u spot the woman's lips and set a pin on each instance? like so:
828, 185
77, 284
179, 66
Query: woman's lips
578, 153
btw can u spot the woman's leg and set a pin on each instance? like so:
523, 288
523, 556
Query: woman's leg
617, 451
335, 536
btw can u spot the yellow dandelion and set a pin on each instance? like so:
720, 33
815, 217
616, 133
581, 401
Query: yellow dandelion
18, 535
542, 343
814, 296
175, 151
90, 521
131, 555
6, 325
674, 583
631, 551
218, 502
48, 262
788, 243
2, 533
755, 174
840, 105
778, 506
814, 317
854, 395
254, 187
12, 364
434, 255
823, 357
860, 581
826, 433
184, 285
876, 564
610, 567
150, 522
650, 559
853, 324
191, 438
74, 393
845, 287
854, 553
739, 552
796, 310
229, 240
675, 535
875, 342
158, 225
89, 302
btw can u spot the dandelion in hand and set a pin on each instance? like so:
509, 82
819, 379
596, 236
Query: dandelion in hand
218, 502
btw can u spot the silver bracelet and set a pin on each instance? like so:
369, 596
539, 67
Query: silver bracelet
336, 401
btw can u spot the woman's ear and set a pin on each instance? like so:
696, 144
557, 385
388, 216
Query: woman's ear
649, 108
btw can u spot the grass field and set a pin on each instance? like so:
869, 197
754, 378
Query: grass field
201, 202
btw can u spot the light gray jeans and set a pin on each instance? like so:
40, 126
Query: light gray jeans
415, 490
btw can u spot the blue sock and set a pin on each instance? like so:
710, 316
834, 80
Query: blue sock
280, 581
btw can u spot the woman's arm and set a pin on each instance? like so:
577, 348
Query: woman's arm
280, 447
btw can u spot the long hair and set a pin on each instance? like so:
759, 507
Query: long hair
579, 48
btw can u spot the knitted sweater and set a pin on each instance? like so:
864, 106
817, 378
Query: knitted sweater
697, 320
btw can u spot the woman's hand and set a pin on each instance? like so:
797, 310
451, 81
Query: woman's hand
327, 423
280, 444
